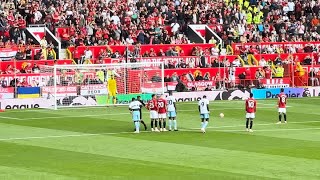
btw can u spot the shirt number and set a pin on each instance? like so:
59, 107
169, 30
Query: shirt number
250, 104
160, 104
151, 105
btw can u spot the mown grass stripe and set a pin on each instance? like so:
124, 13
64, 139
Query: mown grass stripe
184, 155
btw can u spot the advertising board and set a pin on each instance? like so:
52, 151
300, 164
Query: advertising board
212, 95
273, 93
7, 93
93, 89
26, 103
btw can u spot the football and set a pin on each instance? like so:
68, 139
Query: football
221, 115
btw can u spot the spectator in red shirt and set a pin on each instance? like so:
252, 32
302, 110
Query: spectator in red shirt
24, 83
152, 53
9, 69
65, 37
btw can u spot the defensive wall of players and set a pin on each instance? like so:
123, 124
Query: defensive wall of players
100, 100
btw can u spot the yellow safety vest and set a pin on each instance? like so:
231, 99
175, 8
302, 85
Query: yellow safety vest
279, 72
256, 19
100, 75
246, 4
249, 18
301, 71
261, 14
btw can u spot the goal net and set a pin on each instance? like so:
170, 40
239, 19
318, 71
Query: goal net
100, 84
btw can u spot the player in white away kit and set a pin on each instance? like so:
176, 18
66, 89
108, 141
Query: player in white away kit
171, 102
134, 108
204, 113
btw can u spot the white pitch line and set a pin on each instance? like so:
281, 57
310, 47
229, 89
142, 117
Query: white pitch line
88, 115
97, 115
267, 124
270, 130
6, 117
115, 133
67, 135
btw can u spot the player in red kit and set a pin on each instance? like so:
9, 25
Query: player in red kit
251, 107
162, 111
153, 108
282, 103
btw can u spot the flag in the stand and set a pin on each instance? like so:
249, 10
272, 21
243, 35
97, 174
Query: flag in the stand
7, 53
28, 92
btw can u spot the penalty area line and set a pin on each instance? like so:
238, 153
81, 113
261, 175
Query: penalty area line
103, 115
117, 133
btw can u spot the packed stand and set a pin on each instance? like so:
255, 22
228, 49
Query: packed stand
93, 22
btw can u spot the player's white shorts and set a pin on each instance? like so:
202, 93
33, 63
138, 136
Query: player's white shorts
153, 115
172, 114
251, 115
282, 110
162, 115
204, 116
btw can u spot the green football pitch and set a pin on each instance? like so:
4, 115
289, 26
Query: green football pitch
98, 143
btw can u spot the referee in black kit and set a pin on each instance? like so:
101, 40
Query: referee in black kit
144, 105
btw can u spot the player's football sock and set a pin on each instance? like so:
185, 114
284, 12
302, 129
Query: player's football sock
144, 124
152, 123
114, 100
285, 117
247, 124
156, 124
280, 117
108, 100
205, 124
202, 123
160, 124
170, 124
175, 124
137, 124
164, 124
251, 124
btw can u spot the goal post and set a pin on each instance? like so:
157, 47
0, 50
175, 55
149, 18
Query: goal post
83, 85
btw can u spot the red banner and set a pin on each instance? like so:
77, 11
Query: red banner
187, 48
175, 60
272, 57
59, 30
275, 81
200, 84
282, 45
157, 87
19, 64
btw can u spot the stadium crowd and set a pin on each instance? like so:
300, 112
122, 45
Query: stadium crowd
95, 22
103, 22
